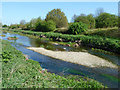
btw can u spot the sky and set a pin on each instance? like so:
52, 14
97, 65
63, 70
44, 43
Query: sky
14, 12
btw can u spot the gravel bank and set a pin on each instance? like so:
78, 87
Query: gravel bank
81, 58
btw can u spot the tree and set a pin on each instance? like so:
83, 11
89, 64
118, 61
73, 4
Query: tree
77, 28
4, 25
22, 22
39, 24
88, 20
0, 25
82, 18
74, 17
114, 21
32, 23
13, 26
91, 20
99, 11
45, 26
105, 20
58, 17
119, 22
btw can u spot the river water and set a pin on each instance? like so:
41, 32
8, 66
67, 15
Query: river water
107, 76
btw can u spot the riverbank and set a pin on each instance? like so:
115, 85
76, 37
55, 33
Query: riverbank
19, 72
96, 41
81, 58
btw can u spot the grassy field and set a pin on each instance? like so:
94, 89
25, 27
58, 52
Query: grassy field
17, 72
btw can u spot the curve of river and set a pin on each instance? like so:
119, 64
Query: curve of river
107, 76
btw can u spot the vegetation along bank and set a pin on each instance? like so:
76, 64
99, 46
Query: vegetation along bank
19, 72
99, 42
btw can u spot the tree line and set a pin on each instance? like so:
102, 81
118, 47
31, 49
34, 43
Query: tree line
57, 19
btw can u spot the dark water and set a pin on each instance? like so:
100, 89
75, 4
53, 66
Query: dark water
107, 76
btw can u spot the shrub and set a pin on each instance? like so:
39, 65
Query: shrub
50, 26
77, 28
44, 26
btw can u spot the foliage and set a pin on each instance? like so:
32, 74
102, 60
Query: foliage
22, 22
50, 26
4, 25
102, 20
33, 22
99, 42
6, 56
88, 20
91, 20
119, 22
24, 27
58, 17
0, 24
100, 50
13, 26
21, 73
45, 26
61, 30
105, 32
77, 28
105, 20
40, 25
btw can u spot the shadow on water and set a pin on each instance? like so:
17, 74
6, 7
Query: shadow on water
107, 76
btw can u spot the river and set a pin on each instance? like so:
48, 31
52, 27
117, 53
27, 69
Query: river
107, 76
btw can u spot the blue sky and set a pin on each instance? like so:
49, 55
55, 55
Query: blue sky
14, 12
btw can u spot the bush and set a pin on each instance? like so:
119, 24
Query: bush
44, 26
50, 26
77, 28
40, 26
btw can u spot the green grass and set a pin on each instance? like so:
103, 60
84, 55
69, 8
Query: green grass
106, 32
18, 72
100, 50
95, 41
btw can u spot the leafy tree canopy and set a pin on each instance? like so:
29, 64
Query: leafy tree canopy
88, 20
4, 25
58, 17
105, 20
